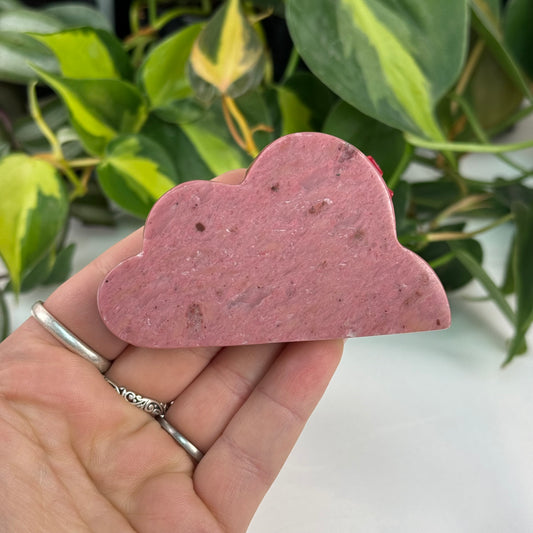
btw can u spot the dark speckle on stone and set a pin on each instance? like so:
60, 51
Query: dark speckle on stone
200, 226
195, 317
275, 187
359, 235
315, 209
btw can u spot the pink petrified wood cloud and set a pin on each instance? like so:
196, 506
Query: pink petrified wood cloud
305, 248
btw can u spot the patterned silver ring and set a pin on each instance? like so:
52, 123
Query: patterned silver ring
67, 338
152, 407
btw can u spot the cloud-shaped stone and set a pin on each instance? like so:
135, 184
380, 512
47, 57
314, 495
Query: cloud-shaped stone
305, 248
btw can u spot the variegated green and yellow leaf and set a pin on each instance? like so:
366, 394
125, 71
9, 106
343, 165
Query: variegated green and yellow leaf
135, 172
392, 61
214, 143
228, 53
33, 209
99, 109
164, 72
85, 53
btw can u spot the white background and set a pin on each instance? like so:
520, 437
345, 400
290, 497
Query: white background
416, 433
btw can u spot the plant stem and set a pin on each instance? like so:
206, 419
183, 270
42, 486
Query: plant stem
462, 204
446, 258
134, 17
37, 116
480, 133
406, 158
467, 147
152, 12
459, 235
473, 60
477, 271
84, 162
57, 158
171, 14
231, 112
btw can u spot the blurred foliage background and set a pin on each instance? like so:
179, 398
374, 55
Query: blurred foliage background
100, 118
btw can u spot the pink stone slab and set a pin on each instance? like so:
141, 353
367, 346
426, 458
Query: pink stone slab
305, 248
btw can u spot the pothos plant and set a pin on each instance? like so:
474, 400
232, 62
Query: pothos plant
92, 125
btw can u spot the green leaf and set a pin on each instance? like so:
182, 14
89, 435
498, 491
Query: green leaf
85, 53
213, 142
491, 93
163, 74
518, 21
6, 5
443, 257
99, 109
227, 55
17, 51
487, 25
29, 20
135, 172
431, 197
33, 209
76, 14
391, 60
187, 162
402, 202
385, 144
53, 268
180, 111
304, 102
486, 281
523, 276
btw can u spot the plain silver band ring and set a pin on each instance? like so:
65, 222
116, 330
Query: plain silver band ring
185, 443
152, 407
67, 338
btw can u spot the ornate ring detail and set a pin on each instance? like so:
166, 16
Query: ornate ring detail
152, 407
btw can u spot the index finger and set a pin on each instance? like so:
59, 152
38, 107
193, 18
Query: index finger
74, 302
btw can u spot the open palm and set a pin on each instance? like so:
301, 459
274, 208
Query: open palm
74, 456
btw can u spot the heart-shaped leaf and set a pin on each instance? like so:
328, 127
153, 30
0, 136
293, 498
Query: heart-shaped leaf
135, 172
486, 21
75, 14
163, 74
391, 60
88, 53
385, 144
517, 32
33, 209
17, 52
187, 162
228, 53
99, 109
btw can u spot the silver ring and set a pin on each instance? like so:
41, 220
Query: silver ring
185, 443
152, 407
67, 338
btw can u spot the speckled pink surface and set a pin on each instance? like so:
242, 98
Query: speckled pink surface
305, 248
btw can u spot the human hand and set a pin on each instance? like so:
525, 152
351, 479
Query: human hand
76, 457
